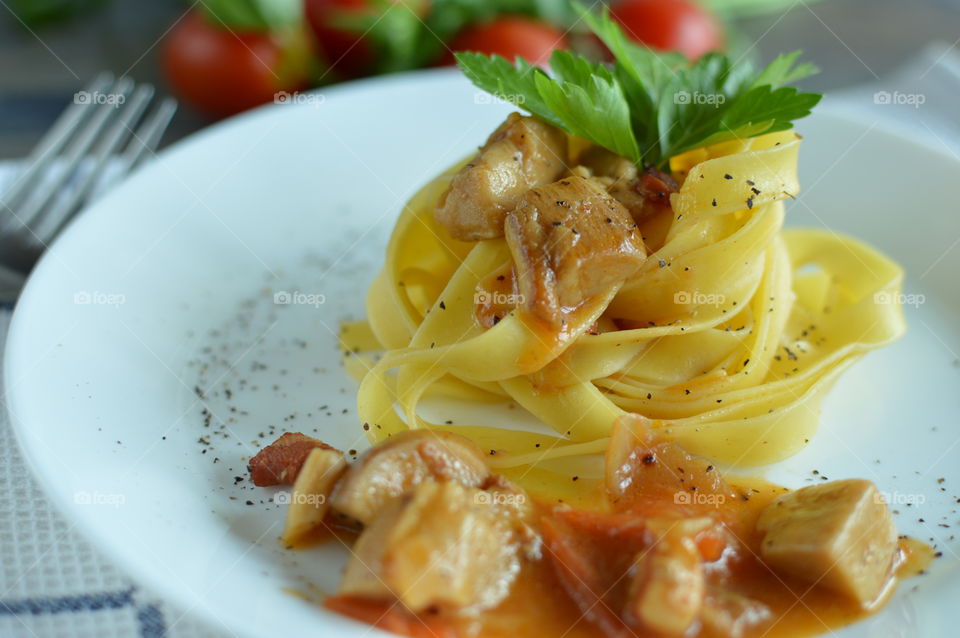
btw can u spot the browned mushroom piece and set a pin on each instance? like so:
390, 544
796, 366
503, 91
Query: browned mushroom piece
666, 592
727, 613
839, 534
522, 153
440, 545
403, 461
309, 502
570, 240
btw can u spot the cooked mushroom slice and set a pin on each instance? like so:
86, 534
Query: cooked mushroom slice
641, 471
732, 615
570, 240
666, 593
500, 492
839, 534
441, 544
524, 152
280, 462
311, 492
405, 460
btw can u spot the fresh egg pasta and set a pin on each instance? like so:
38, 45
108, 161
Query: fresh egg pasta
727, 337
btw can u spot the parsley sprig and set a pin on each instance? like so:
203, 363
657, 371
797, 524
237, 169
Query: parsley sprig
649, 106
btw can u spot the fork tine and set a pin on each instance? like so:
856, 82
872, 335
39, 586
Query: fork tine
49, 145
42, 204
73, 155
148, 135
63, 209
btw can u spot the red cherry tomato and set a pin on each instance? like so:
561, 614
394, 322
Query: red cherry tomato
670, 25
220, 72
510, 37
348, 53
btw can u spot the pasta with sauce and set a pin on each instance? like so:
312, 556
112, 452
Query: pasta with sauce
616, 264
727, 336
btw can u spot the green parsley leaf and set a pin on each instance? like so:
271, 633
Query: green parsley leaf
782, 71
761, 110
584, 99
514, 83
649, 106
589, 102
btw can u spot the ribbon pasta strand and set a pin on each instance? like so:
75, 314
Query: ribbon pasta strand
728, 337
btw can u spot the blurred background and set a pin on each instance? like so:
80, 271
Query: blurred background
221, 56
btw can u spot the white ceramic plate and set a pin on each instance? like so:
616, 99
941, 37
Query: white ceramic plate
167, 285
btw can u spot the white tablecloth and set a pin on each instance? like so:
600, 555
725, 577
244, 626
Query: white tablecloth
52, 581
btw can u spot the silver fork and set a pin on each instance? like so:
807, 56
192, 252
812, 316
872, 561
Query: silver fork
106, 125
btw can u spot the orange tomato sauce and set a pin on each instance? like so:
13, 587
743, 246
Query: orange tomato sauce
540, 604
